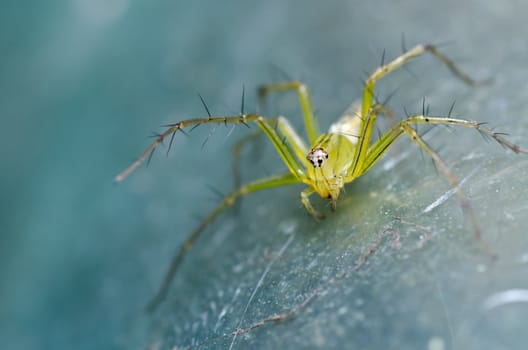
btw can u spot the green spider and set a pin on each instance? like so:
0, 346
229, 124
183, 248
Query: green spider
334, 158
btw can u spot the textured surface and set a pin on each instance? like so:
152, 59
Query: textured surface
83, 85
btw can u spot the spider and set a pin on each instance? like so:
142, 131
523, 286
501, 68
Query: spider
333, 159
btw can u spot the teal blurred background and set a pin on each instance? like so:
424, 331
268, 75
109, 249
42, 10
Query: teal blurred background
84, 83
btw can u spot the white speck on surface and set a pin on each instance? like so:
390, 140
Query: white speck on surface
237, 268
509, 296
288, 227
359, 316
440, 200
391, 162
342, 310
436, 343
481, 268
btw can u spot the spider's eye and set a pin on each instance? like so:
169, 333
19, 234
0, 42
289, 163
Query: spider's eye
317, 157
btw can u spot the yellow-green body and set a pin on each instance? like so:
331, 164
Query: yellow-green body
339, 144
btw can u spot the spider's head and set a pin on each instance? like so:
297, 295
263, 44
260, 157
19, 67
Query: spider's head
322, 176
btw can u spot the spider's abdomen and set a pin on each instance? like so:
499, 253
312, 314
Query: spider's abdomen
349, 124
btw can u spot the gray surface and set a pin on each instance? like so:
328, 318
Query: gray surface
83, 84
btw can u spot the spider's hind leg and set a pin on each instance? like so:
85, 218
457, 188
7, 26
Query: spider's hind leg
228, 201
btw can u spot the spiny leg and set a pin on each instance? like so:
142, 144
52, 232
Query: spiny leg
369, 117
294, 140
228, 201
466, 205
375, 152
294, 165
179, 126
312, 129
405, 126
418, 50
290, 137
310, 123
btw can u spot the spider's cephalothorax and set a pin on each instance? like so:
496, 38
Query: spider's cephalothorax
330, 159
329, 174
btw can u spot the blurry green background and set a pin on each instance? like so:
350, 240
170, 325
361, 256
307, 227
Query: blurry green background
84, 83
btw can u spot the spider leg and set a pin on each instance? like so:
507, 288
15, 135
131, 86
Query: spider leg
282, 123
310, 123
465, 203
228, 201
377, 149
295, 166
283, 145
369, 116
375, 152
418, 50
289, 135
308, 206
180, 126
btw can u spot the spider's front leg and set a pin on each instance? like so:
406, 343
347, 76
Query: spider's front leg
282, 123
405, 126
291, 143
418, 50
180, 126
368, 115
